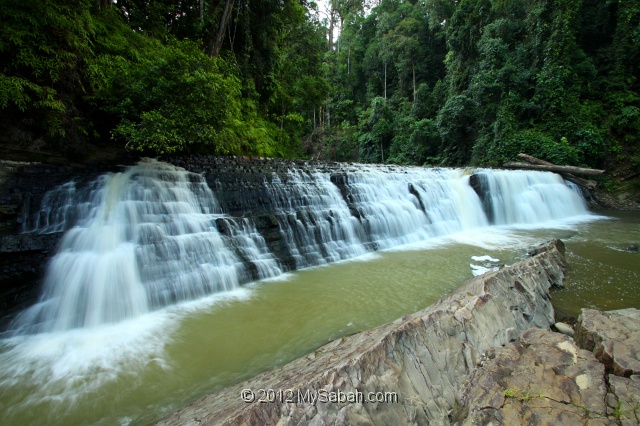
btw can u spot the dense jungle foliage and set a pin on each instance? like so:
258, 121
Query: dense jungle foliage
442, 82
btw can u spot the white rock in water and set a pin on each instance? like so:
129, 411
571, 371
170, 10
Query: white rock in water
479, 270
484, 258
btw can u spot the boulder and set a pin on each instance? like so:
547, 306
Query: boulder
543, 379
564, 329
614, 338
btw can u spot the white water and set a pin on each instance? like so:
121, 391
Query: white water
148, 240
140, 244
529, 197
314, 219
414, 204
155, 235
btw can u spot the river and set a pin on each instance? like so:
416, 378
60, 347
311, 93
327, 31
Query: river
139, 368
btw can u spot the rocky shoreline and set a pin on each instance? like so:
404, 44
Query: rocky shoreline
437, 361
550, 378
482, 355
620, 200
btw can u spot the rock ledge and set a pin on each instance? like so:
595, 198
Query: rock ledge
423, 358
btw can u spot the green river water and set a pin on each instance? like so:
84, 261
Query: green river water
138, 371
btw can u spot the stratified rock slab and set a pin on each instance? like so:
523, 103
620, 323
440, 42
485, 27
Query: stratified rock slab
624, 399
543, 379
614, 338
422, 359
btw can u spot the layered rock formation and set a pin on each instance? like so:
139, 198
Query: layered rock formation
542, 379
421, 359
237, 181
296, 213
483, 355
549, 379
614, 338
23, 256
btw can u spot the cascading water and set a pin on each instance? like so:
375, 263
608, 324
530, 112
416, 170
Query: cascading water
413, 204
527, 197
156, 234
148, 239
314, 219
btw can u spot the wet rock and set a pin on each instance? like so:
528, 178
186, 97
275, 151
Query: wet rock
633, 247
479, 183
542, 379
24, 256
614, 338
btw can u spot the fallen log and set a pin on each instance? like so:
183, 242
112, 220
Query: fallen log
533, 160
584, 183
553, 168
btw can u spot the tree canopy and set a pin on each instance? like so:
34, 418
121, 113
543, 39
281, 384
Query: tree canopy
475, 82
440, 82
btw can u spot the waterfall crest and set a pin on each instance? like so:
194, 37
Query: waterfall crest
157, 234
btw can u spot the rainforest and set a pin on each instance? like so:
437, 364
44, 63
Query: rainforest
434, 82
204, 196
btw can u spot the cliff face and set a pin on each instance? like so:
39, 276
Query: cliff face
421, 359
23, 256
238, 182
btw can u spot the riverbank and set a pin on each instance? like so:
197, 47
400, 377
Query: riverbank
422, 358
452, 362
624, 198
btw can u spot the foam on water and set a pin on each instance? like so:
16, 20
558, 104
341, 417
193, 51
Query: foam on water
62, 367
145, 248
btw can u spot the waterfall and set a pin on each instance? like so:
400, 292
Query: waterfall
156, 234
314, 219
528, 197
414, 204
149, 239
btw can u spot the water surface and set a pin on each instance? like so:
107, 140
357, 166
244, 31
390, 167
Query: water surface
138, 370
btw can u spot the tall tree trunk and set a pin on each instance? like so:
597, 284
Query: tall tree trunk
332, 23
282, 117
385, 79
215, 44
102, 4
413, 68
